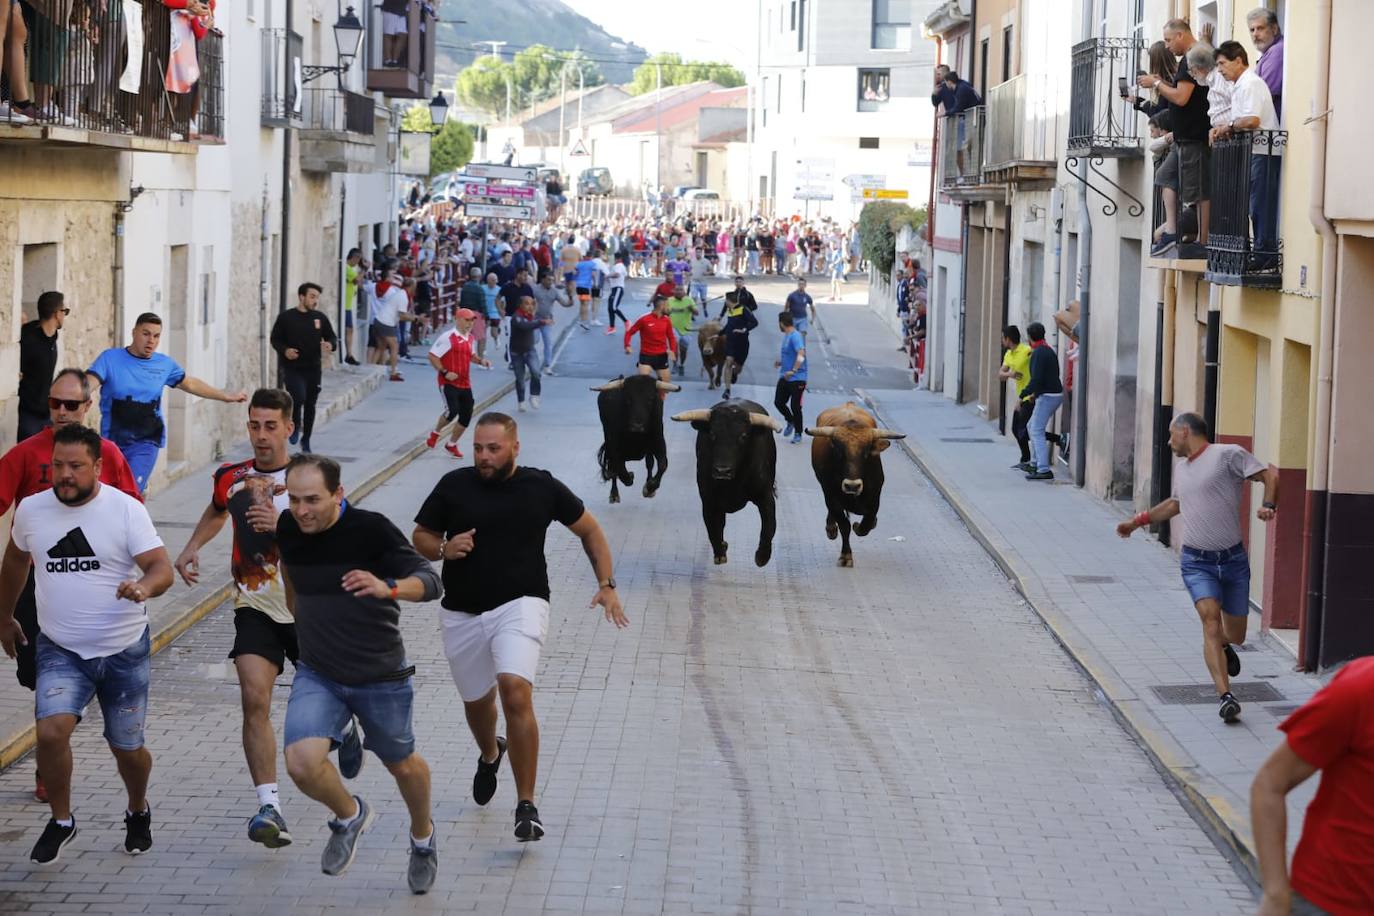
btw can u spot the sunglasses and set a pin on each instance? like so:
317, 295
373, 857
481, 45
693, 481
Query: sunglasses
73, 406
66, 311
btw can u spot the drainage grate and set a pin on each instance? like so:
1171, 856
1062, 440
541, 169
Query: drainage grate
1204, 694
1282, 711
1093, 580
962, 439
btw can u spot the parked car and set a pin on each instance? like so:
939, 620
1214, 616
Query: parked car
681, 189
699, 194
595, 182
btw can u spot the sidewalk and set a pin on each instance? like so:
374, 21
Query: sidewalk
373, 427
1117, 606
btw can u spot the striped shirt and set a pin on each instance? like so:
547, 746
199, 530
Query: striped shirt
1208, 487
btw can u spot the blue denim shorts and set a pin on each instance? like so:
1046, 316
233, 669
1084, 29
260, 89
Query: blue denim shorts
800, 325
67, 683
320, 708
1220, 574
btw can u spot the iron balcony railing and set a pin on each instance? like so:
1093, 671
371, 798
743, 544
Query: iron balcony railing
340, 111
283, 98
79, 77
1101, 122
961, 149
1243, 244
1021, 122
399, 49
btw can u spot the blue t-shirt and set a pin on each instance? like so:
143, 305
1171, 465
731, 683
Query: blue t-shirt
491, 292
798, 302
587, 275
792, 344
131, 394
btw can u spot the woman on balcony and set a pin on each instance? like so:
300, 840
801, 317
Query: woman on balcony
1163, 66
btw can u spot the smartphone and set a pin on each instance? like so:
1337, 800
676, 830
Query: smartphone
1121, 86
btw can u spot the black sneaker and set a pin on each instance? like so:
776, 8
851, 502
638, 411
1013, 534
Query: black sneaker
1232, 660
484, 781
49, 846
1230, 708
528, 826
138, 832
1040, 475
351, 751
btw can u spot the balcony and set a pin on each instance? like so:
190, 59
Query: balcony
339, 132
88, 97
1243, 247
283, 98
961, 156
1020, 139
1101, 123
400, 49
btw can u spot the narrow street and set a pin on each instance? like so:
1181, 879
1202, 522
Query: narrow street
901, 737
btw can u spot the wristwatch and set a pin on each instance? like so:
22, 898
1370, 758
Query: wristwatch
1269, 505
395, 589
609, 583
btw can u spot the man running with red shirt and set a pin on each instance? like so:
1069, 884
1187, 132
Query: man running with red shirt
657, 342
26, 470
451, 356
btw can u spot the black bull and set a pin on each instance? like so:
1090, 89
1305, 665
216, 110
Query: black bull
632, 430
737, 459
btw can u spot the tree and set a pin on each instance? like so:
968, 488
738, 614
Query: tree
677, 72
484, 84
450, 149
532, 76
879, 223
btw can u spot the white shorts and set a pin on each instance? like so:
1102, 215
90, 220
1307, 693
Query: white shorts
394, 24
504, 640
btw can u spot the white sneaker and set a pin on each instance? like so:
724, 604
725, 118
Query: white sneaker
521, 407
597, 322
13, 117
534, 401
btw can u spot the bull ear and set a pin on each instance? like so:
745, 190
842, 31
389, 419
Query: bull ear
881, 433
612, 385
820, 431
667, 386
693, 416
758, 419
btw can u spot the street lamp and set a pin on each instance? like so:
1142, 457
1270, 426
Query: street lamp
348, 38
438, 111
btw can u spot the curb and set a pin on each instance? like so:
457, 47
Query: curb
1215, 814
20, 743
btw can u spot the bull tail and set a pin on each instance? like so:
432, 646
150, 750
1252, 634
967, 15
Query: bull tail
606, 472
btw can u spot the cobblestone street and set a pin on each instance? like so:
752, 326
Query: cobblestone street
901, 737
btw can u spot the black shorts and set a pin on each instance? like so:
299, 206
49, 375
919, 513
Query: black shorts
657, 361
257, 634
458, 404
596, 292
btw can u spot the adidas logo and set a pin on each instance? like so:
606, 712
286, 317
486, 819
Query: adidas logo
68, 553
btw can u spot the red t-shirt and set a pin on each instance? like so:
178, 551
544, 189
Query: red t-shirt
25, 470
1333, 865
454, 352
665, 289
655, 335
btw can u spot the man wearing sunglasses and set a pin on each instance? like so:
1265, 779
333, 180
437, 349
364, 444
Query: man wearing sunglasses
25, 470
37, 361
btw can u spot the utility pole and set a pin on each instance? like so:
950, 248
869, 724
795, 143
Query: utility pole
581, 89
658, 128
562, 108
496, 46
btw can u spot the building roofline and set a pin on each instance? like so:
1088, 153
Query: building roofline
948, 17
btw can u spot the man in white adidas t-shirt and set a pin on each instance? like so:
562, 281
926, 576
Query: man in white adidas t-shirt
88, 543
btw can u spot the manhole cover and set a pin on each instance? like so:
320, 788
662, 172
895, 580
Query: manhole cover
1282, 710
962, 439
1204, 694
1093, 580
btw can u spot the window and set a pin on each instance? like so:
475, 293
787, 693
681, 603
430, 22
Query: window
874, 89
801, 25
1006, 53
868, 143
891, 25
763, 101
793, 18
983, 68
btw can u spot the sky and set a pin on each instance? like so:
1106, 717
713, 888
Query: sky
712, 30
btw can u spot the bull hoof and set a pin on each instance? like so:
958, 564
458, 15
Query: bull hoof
628, 478
846, 559
649, 491
832, 530
863, 528
720, 560
615, 497
762, 556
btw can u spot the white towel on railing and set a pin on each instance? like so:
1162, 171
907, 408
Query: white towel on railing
132, 76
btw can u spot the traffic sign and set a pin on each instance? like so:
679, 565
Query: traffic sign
492, 170
578, 149
813, 193
500, 211
483, 192
884, 194
865, 181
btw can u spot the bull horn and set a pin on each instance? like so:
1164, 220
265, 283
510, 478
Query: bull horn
821, 431
758, 419
691, 416
881, 433
667, 386
612, 385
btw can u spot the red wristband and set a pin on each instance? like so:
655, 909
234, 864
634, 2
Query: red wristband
1142, 519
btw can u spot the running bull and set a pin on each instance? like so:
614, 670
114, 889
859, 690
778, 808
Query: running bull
737, 459
845, 451
632, 429
711, 344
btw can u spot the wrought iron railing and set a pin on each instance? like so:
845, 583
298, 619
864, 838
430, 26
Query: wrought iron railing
283, 98
78, 76
1021, 122
961, 149
1243, 244
331, 109
1101, 122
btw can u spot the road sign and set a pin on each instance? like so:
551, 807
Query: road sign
578, 149
479, 192
815, 171
865, 181
500, 211
884, 194
491, 170
813, 193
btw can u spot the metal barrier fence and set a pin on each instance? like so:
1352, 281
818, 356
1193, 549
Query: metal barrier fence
736, 211
327, 108
1243, 245
961, 148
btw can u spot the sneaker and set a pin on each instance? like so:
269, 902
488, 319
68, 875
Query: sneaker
13, 115
48, 849
548, 370
1040, 475
138, 832
351, 361
343, 840
1232, 660
40, 791
432, 439
787, 431
452, 449
597, 322
1229, 709
521, 407
534, 402
295, 436
584, 326
268, 827
351, 751
528, 826
1025, 467
424, 866
1166, 241
610, 332
1192, 251
484, 781
397, 377
305, 444
796, 437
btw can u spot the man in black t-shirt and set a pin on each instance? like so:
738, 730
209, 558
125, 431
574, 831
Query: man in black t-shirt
487, 523
1185, 174
38, 362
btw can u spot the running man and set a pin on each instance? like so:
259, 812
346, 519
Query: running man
657, 343
791, 376
739, 321
301, 336
800, 306
451, 356
98, 560
253, 494
488, 523
546, 296
698, 269
615, 282
1207, 491
345, 569
682, 308
524, 324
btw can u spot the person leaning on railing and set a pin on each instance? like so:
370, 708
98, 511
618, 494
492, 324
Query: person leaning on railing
1252, 109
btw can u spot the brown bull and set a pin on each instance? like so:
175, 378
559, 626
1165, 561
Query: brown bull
845, 453
711, 344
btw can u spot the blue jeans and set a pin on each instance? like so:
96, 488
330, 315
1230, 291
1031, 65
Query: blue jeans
1223, 575
525, 363
1045, 406
320, 707
67, 683
142, 457
546, 335
1264, 202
